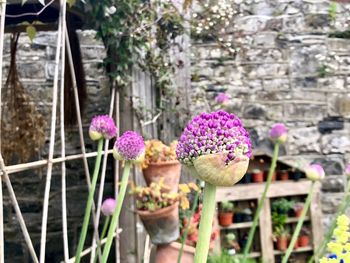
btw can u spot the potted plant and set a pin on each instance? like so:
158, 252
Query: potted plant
158, 210
247, 215
304, 237
226, 213
160, 161
232, 243
282, 206
239, 215
283, 175
258, 176
281, 236
298, 208
273, 178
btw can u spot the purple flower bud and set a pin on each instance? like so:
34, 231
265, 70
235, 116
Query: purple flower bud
102, 126
315, 172
278, 133
347, 170
129, 147
108, 206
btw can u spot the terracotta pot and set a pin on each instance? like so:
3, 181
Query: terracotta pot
298, 212
296, 244
266, 174
225, 218
284, 175
169, 170
258, 177
169, 253
282, 243
303, 241
162, 225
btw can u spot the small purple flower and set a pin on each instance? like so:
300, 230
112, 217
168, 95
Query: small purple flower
315, 172
102, 126
347, 170
129, 147
108, 206
278, 133
222, 98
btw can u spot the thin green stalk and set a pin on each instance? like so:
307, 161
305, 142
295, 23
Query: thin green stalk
115, 217
206, 224
89, 202
341, 210
103, 234
300, 224
183, 240
261, 203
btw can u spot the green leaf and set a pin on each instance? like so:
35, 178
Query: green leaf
31, 31
71, 2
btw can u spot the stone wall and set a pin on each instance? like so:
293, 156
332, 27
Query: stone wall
286, 69
35, 63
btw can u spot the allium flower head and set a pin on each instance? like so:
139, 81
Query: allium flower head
315, 172
108, 206
347, 170
278, 133
102, 126
222, 98
129, 147
214, 144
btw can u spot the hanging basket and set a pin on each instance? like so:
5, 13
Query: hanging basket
170, 170
162, 225
170, 252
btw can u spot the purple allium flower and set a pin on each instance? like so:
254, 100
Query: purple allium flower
102, 126
347, 170
222, 98
315, 172
129, 147
278, 133
108, 206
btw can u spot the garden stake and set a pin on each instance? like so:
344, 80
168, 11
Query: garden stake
341, 210
104, 231
193, 209
300, 224
89, 202
261, 202
205, 225
116, 213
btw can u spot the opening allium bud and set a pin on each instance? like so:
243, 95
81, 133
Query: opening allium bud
102, 126
347, 170
129, 147
215, 147
222, 98
278, 133
108, 206
315, 172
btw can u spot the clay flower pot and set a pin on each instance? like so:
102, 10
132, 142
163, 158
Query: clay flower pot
283, 175
303, 241
170, 170
296, 244
298, 212
225, 218
169, 253
266, 174
162, 225
258, 176
282, 243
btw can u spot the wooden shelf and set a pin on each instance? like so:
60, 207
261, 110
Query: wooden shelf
298, 250
237, 225
295, 219
250, 255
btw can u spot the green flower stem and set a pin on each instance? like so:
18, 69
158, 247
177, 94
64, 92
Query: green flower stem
341, 210
103, 234
261, 203
206, 224
300, 224
89, 202
115, 217
183, 240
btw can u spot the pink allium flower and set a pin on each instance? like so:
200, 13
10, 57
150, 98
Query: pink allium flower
222, 98
102, 126
129, 147
315, 172
347, 170
108, 206
278, 133
216, 148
